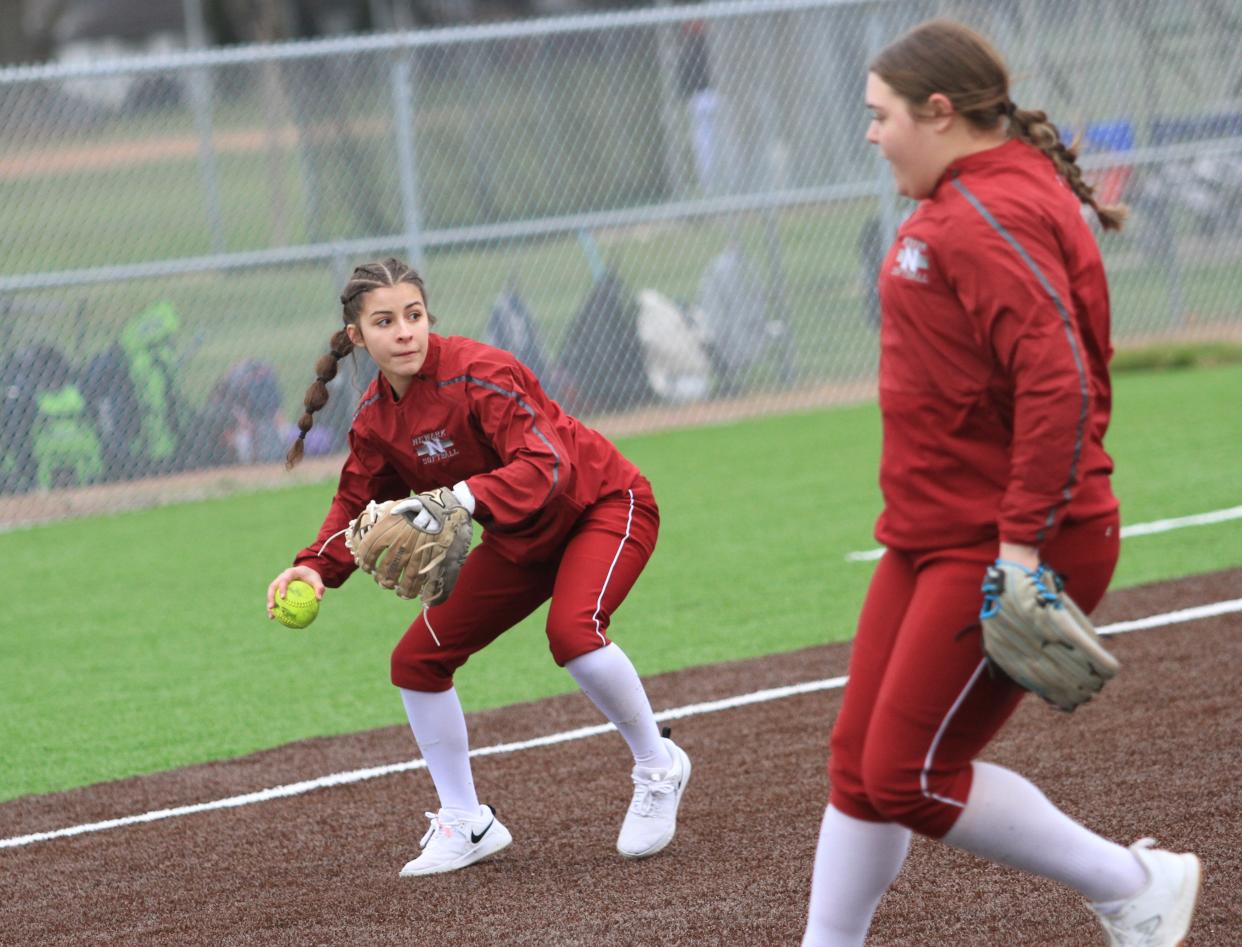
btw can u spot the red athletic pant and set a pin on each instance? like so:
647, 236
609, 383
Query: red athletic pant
920, 703
590, 577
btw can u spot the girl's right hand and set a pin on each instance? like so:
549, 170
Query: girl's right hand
280, 584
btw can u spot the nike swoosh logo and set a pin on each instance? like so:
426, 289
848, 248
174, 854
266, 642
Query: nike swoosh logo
475, 839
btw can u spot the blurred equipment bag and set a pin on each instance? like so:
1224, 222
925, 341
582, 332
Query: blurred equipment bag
148, 345
1035, 633
25, 375
674, 355
602, 361
731, 295
243, 416
66, 448
739, 326
131, 387
512, 327
47, 437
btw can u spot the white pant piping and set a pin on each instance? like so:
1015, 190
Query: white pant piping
944, 725
427, 619
599, 602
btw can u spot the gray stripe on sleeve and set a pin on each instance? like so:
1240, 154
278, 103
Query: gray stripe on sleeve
491, 386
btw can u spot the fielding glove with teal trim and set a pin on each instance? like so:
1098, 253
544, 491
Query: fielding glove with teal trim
1035, 634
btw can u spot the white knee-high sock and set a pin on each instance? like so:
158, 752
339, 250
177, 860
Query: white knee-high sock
439, 726
608, 678
855, 862
1008, 820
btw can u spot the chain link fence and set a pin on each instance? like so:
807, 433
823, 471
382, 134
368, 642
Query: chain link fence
670, 214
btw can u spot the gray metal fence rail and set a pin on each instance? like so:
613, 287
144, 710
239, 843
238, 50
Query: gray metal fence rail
174, 229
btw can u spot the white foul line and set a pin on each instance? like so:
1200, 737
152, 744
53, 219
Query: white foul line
565, 736
1135, 529
1173, 618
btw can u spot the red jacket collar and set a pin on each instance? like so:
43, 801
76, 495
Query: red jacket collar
1008, 152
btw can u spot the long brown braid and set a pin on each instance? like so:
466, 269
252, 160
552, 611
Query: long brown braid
1032, 126
945, 57
368, 276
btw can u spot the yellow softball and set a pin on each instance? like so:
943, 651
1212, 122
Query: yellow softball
299, 606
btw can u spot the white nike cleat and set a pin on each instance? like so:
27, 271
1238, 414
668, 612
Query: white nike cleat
651, 820
1160, 914
454, 842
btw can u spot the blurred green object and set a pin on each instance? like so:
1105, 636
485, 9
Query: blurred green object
147, 341
66, 448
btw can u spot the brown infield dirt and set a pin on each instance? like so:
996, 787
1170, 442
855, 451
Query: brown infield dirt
1160, 753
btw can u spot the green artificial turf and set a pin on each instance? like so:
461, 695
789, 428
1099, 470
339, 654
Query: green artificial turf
138, 642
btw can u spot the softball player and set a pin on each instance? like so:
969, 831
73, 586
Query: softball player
995, 398
565, 516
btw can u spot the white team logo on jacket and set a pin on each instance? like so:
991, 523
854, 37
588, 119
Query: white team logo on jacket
434, 447
912, 260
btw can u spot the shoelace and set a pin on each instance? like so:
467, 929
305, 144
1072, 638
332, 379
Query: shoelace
433, 829
647, 790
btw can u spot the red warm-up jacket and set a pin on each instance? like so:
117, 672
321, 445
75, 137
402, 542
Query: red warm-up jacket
994, 350
473, 413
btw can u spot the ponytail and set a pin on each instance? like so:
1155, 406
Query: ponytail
1033, 127
339, 346
945, 57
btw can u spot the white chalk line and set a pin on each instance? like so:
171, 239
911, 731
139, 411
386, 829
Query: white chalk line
566, 736
1178, 617
1127, 532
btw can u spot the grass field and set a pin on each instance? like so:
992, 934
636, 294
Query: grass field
137, 642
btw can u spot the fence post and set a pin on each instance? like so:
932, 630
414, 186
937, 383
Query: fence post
775, 171
1150, 68
407, 172
671, 108
884, 182
200, 89
339, 266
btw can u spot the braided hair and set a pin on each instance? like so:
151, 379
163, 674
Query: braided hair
368, 276
941, 56
1033, 127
